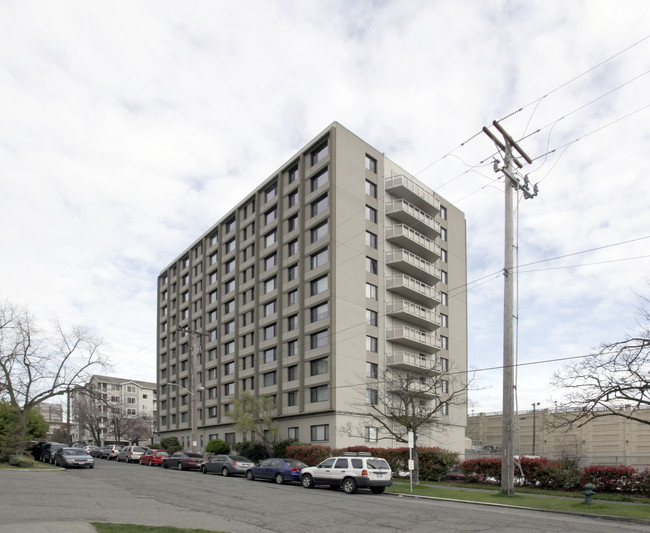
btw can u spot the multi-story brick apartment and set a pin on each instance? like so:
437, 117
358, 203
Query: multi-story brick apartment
336, 269
106, 399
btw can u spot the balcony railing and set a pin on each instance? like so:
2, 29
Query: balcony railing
415, 338
413, 265
406, 237
413, 289
411, 361
419, 316
413, 216
404, 187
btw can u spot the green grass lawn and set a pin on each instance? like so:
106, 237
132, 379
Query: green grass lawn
102, 527
37, 466
526, 499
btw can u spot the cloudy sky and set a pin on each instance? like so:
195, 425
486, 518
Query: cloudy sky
127, 128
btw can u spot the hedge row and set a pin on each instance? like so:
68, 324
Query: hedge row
433, 462
555, 475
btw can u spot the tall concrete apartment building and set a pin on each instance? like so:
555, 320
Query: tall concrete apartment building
334, 271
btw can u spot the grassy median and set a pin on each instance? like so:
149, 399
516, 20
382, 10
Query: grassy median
103, 527
523, 499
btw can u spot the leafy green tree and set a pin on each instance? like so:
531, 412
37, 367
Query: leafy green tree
280, 448
255, 414
171, 444
10, 427
255, 451
217, 446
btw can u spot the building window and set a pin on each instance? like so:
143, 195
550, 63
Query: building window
372, 396
292, 348
292, 322
445, 409
371, 239
319, 339
270, 355
371, 189
371, 164
319, 258
271, 192
229, 368
229, 286
443, 255
371, 291
270, 261
292, 297
270, 332
269, 285
292, 373
371, 434
319, 205
270, 238
269, 308
229, 246
292, 174
212, 393
319, 180
229, 327
444, 364
292, 398
292, 199
444, 386
443, 234
318, 366
371, 317
371, 214
292, 434
319, 394
270, 215
230, 225
444, 342
320, 432
444, 320
319, 232
270, 379
229, 307
444, 298
443, 212
292, 223
319, 153
292, 248
229, 389
318, 285
371, 344
443, 276
372, 370
319, 312
371, 265
292, 272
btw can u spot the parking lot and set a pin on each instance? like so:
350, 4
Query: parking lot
131, 493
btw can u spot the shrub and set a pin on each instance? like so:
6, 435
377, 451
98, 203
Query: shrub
171, 444
217, 446
542, 473
255, 451
435, 463
280, 448
482, 469
610, 478
310, 455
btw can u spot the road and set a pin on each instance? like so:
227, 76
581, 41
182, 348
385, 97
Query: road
130, 493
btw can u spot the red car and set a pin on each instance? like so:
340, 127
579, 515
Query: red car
153, 458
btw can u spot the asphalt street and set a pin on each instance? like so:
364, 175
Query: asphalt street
130, 493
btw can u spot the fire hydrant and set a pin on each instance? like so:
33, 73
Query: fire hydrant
589, 493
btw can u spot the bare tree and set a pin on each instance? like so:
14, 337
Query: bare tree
37, 365
612, 382
89, 412
255, 414
136, 428
402, 401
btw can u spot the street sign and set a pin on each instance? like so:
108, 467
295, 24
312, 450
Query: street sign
411, 465
410, 434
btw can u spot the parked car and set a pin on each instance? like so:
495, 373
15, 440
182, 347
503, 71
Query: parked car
183, 461
279, 470
153, 457
96, 452
454, 475
113, 450
67, 457
227, 465
130, 454
351, 472
48, 451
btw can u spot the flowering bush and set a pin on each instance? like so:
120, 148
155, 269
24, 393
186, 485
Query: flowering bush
611, 478
482, 469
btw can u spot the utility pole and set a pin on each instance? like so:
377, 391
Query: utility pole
534, 424
193, 390
512, 182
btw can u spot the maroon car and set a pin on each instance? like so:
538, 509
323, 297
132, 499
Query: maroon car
183, 461
153, 457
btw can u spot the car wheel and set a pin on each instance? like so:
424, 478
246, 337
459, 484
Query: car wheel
377, 490
307, 481
179, 466
126, 460
225, 472
279, 479
349, 485
165, 464
249, 475
150, 463
91, 466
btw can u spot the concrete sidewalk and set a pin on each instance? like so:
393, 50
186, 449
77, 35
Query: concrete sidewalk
48, 527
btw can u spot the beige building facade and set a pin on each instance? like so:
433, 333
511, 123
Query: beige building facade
610, 440
334, 271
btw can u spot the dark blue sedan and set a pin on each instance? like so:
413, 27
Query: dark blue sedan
279, 470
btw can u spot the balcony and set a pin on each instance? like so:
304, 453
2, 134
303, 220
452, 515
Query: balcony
413, 290
412, 362
406, 188
409, 312
413, 265
414, 338
408, 214
415, 389
406, 237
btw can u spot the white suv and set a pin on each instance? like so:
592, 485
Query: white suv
351, 471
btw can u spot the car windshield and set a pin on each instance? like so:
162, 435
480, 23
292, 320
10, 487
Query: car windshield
74, 451
163, 454
294, 462
377, 463
138, 449
194, 455
241, 459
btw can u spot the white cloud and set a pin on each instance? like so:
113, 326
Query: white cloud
129, 128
